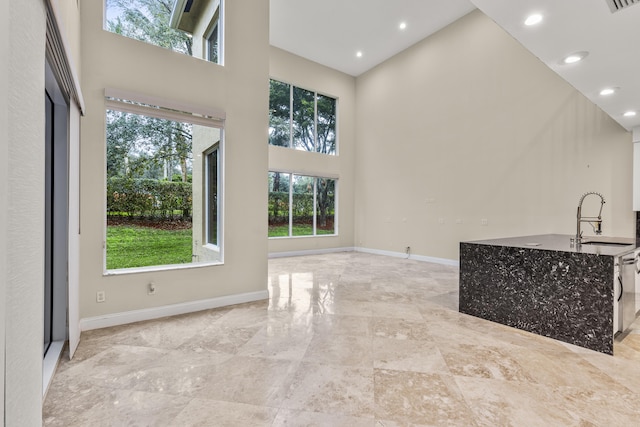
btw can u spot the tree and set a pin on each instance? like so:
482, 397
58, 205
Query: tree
141, 147
312, 119
325, 188
279, 113
326, 142
147, 21
303, 119
151, 144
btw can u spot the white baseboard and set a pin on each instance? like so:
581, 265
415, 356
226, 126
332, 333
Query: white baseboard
310, 252
444, 261
126, 317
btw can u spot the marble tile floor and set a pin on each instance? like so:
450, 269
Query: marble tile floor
347, 339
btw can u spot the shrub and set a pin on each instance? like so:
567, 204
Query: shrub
148, 197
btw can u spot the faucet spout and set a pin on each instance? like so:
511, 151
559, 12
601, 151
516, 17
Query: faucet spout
596, 221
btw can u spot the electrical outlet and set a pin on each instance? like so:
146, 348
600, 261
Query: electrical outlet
151, 289
484, 221
407, 250
101, 296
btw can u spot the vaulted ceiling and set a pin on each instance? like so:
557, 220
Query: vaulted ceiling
332, 32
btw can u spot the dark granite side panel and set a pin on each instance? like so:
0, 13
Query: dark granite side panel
562, 295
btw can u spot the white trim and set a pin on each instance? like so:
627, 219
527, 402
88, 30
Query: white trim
74, 229
304, 172
50, 363
127, 317
176, 13
61, 52
165, 267
443, 261
310, 252
181, 109
303, 237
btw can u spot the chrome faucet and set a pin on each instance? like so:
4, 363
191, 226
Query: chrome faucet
595, 221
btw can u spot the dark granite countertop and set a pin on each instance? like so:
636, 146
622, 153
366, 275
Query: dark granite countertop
561, 242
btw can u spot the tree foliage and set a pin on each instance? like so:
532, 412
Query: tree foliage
312, 119
147, 147
140, 146
147, 21
304, 120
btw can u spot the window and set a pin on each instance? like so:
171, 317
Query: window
211, 219
301, 205
192, 28
163, 198
213, 36
301, 119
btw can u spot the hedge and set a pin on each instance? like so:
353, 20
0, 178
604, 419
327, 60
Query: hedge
148, 198
302, 207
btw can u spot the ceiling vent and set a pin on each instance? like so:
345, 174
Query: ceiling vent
618, 5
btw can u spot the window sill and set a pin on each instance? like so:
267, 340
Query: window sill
302, 237
155, 268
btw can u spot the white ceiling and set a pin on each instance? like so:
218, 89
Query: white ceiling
330, 32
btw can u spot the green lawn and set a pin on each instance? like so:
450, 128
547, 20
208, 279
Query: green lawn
132, 246
298, 230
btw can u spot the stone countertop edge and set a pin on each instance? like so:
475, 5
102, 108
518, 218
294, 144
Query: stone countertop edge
560, 243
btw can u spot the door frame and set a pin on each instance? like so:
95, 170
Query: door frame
59, 204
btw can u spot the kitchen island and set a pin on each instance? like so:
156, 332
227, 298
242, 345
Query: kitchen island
545, 285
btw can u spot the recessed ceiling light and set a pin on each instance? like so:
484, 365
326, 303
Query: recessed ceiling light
534, 19
630, 114
402, 25
359, 54
575, 57
608, 91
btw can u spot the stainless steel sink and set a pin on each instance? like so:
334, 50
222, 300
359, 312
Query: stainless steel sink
608, 241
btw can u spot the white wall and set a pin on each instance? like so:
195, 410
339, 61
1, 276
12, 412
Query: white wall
22, 208
4, 189
300, 72
240, 88
468, 125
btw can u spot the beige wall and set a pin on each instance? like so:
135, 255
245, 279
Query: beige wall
240, 88
22, 208
468, 125
310, 75
203, 139
207, 13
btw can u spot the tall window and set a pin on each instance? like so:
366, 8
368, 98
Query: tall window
301, 205
183, 26
163, 186
211, 219
301, 119
213, 38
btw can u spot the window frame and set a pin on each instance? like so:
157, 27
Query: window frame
292, 87
179, 20
216, 26
161, 108
315, 204
215, 148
